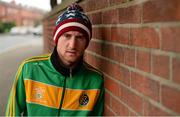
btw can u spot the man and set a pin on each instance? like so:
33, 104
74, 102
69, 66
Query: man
60, 84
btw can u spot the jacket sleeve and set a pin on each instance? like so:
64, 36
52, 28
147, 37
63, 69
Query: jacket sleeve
99, 107
17, 102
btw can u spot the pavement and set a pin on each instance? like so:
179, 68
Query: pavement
10, 59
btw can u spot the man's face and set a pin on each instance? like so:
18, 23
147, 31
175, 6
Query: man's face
71, 46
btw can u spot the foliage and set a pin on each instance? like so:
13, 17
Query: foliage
53, 3
6, 26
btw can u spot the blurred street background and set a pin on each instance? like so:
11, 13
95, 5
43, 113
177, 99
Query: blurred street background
20, 38
13, 50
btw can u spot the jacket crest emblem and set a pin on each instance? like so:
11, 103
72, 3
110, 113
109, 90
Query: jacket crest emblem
84, 99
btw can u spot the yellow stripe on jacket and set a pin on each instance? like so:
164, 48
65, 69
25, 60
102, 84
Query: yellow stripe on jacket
50, 96
80, 99
43, 94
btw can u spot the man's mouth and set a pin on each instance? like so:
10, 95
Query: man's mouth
73, 52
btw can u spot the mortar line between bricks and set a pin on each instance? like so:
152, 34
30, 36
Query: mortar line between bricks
141, 25
145, 98
143, 105
135, 52
144, 49
148, 75
160, 90
171, 68
111, 110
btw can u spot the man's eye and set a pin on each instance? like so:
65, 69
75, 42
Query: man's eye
67, 35
80, 37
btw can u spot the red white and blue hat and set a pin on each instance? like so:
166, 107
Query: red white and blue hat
73, 19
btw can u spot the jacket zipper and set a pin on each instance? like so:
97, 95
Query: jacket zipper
70, 75
63, 93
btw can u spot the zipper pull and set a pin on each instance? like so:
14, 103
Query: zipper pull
70, 73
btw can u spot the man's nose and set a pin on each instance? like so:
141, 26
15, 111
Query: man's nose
72, 43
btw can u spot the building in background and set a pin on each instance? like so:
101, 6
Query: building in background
20, 15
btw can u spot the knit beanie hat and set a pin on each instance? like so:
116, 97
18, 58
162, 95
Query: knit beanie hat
73, 19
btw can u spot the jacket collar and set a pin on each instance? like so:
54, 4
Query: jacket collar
61, 68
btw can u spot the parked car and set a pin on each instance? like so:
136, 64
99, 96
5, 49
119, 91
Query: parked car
37, 30
19, 30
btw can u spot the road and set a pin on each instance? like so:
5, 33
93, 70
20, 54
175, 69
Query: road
14, 49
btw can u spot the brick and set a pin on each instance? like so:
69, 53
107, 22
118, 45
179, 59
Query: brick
171, 98
93, 60
107, 99
97, 62
144, 37
95, 47
112, 52
119, 108
160, 66
132, 100
125, 76
129, 57
176, 70
92, 5
85, 6
145, 86
151, 110
106, 33
87, 58
143, 61
120, 35
130, 14
161, 11
89, 6
108, 112
97, 33
108, 51
105, 50
100, 4
132, 113
113, 87
116, 2
96, 18
110, 17
170, 39
110, 69
119, 54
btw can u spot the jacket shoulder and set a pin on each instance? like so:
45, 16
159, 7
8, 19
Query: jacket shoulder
37, 58
34, 59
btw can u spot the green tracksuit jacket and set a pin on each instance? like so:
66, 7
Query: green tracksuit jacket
42, 87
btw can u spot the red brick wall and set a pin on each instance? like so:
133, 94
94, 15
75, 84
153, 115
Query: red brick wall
136, 45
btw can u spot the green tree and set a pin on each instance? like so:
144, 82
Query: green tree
53, 3
6, 26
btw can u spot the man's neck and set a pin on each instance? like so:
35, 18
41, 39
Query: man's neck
64, 68
68, 64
